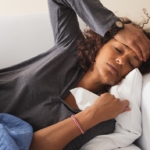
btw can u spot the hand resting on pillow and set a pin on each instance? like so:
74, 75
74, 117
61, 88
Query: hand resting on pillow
128, 124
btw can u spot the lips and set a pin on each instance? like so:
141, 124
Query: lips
113, 68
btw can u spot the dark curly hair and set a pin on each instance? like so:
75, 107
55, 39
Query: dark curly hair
92, 42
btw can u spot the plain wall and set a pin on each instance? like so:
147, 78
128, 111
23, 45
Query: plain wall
133, 9
17, 7
124, 7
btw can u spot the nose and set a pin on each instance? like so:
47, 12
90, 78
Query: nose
120, 61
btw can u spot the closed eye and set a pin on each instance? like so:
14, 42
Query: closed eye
131, 65
118, 50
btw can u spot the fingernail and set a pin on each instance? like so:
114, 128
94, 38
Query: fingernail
128, 110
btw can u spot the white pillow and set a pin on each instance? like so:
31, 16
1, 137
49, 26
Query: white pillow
131, 147
128, 124
143, 141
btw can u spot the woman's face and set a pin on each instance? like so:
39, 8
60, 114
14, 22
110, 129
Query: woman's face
114, 61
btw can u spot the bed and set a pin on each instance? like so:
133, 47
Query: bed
25, 36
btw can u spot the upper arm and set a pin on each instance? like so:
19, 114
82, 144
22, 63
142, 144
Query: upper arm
63, 20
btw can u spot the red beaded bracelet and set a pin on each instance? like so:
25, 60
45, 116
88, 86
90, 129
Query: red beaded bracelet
77, 123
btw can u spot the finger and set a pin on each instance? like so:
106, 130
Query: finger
146, 51
144, 46
140, 44
117, 99
146, 43
125, 104
137, 50
127, 109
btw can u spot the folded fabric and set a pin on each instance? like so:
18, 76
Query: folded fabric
143, 141
130, 147
128, 124
15, 134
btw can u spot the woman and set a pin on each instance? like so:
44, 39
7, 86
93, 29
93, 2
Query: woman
38, 90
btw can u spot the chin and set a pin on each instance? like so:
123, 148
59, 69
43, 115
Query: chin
109, 79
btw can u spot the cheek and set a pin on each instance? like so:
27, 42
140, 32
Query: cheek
126, 71
107, 76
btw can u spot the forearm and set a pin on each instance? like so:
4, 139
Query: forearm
59, 135
92, 120
93, 13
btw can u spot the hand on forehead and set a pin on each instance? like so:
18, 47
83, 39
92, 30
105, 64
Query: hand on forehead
135, 38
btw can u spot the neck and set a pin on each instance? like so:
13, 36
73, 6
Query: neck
91, 81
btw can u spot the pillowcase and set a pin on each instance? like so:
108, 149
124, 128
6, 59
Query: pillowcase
128, 124
143, 141
130, 147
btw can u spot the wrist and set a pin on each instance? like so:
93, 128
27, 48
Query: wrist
87, 118
115, 28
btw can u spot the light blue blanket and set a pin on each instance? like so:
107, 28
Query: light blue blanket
15, 134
